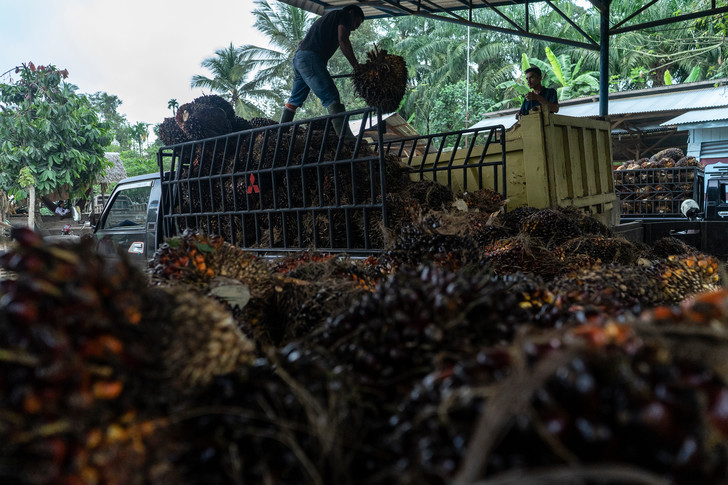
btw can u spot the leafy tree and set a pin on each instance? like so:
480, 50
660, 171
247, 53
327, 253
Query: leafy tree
49, 133
107, 106
449, 110
139, 164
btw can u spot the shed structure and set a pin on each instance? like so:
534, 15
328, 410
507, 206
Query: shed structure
460, 12
693, 117
707, 133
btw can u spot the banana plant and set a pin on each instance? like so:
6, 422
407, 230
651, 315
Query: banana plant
692, 77
572, 83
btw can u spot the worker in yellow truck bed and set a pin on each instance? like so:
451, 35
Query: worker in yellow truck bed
539, 95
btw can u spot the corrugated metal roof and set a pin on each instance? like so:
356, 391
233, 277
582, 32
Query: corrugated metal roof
702, 99
710, 97
699, 116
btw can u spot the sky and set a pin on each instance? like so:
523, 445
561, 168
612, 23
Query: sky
143, 51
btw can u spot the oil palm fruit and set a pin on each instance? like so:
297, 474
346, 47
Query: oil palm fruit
382, 80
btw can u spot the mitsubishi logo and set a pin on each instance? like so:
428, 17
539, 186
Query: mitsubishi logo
253, 187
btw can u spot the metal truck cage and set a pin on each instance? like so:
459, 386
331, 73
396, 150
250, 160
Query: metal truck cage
656, 193
298, 186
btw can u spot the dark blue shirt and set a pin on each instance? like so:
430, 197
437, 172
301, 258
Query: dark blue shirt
548, 93
323, 36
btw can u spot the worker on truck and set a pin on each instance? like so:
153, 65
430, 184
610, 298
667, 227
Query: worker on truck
326, 35
539, 95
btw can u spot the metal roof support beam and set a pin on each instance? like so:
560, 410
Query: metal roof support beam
671, 20
505, 17
571, 22
604, 59
637, 12
519, 31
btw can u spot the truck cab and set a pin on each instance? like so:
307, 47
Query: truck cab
716, 192
128, 221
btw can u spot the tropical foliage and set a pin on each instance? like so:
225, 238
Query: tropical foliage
107, 106
48, 132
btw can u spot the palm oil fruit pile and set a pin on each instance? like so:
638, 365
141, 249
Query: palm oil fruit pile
205, 117
531, 346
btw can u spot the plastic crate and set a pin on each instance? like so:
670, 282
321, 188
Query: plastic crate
656, 192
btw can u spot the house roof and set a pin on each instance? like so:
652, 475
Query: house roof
698, 116
114, 173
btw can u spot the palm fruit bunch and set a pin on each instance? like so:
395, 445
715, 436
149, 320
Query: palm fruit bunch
260, 122
240, 124
619, 288
688, 162
485, 231
484, 200
673, 154
636, 402
382, 80
264, 417
696, 328
198, 337
427, 239
514, 219
682, 276
671, 246
708, 309
206, 117
200, 121
552, 227
601, 249
588, 224
445, 403
586, 396
217, 102
310, 288
170, 133
389, 337
432, 196
612, 289
195, 259
521, 254
77, 370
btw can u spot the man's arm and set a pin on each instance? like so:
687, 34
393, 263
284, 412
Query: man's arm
345, 46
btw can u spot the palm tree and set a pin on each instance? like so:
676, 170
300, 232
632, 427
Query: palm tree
139, 133
231, 68
173, 105
285, 27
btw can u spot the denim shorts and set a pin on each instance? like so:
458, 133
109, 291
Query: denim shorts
311, 74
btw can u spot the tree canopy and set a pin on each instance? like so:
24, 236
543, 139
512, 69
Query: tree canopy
49, 132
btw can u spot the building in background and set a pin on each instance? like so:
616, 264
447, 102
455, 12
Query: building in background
693, 117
